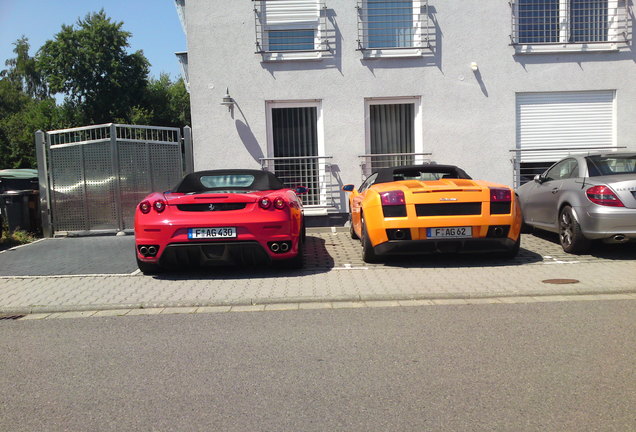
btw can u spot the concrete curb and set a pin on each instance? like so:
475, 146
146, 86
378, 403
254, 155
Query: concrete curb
631, 293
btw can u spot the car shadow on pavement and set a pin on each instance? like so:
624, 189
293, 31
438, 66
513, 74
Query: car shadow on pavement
456, 260
316, 260
606, 251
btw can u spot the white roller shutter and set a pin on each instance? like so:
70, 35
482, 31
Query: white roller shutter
281, 12
561, 123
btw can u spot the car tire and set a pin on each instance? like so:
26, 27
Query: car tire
514, 250
352, 232
298, 261
148, 268
368, 254
570, 234
525, 228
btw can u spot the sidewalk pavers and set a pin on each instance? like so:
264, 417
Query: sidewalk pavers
344, 281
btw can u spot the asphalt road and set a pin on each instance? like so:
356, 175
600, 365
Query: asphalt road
523, 367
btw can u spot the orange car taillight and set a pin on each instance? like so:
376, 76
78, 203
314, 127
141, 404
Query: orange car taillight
145, 207
603, 195
391, 198
500, 200
497, 194
393, 203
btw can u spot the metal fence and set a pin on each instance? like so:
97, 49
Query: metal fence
293, 27
550, 22
524, 172
94, 176
372, 162
393, 24
313, 172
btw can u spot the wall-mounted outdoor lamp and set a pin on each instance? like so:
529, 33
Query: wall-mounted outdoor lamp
228, 101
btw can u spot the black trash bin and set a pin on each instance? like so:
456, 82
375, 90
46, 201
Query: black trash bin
19, 200
20, 210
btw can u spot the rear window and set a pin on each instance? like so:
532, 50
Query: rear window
425, 175
611, 165
227, 181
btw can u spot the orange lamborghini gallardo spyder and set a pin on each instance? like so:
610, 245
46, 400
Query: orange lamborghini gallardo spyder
432, 209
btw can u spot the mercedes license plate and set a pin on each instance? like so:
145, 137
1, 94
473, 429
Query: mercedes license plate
211, 233
449, 232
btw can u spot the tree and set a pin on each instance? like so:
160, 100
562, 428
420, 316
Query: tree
23, 71
91, 66
166, 102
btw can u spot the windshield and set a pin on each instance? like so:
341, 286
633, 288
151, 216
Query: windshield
611, 165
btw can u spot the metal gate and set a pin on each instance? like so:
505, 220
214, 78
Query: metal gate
91, 178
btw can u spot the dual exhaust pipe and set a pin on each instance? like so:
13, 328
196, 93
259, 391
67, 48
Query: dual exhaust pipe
148, 250
280, 247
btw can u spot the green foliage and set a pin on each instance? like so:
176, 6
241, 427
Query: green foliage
15, 238
168, 102
101, 83
90, 65
23, 71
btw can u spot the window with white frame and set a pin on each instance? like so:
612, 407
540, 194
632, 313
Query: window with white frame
393, 133
290, 29
295, 146
576, 25
392, 28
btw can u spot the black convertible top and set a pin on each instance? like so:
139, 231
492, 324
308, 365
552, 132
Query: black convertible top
386, 175
263, 180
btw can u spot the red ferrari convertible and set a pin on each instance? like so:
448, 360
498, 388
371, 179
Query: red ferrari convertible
220, 216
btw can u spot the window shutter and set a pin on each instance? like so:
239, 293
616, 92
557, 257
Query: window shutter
281, 12
558, 121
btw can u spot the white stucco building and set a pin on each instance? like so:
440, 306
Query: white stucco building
316, 87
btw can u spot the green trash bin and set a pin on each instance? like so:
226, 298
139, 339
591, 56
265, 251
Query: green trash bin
20, 210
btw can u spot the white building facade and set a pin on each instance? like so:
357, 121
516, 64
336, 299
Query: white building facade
323, 91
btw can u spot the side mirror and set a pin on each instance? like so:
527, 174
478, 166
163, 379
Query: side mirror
538, 178
300, 190
348, 188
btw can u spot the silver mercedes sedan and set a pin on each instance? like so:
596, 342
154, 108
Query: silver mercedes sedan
584, 197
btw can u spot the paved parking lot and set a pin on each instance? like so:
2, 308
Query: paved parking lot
97, 273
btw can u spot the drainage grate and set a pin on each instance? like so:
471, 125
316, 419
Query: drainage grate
10, 317
560, 281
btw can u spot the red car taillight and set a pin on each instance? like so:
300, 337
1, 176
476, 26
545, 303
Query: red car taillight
499, 195
145, 207
603, 195
159, 205
265, 203
392, 198
279, 203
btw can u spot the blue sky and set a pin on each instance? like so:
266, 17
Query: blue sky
154, 25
